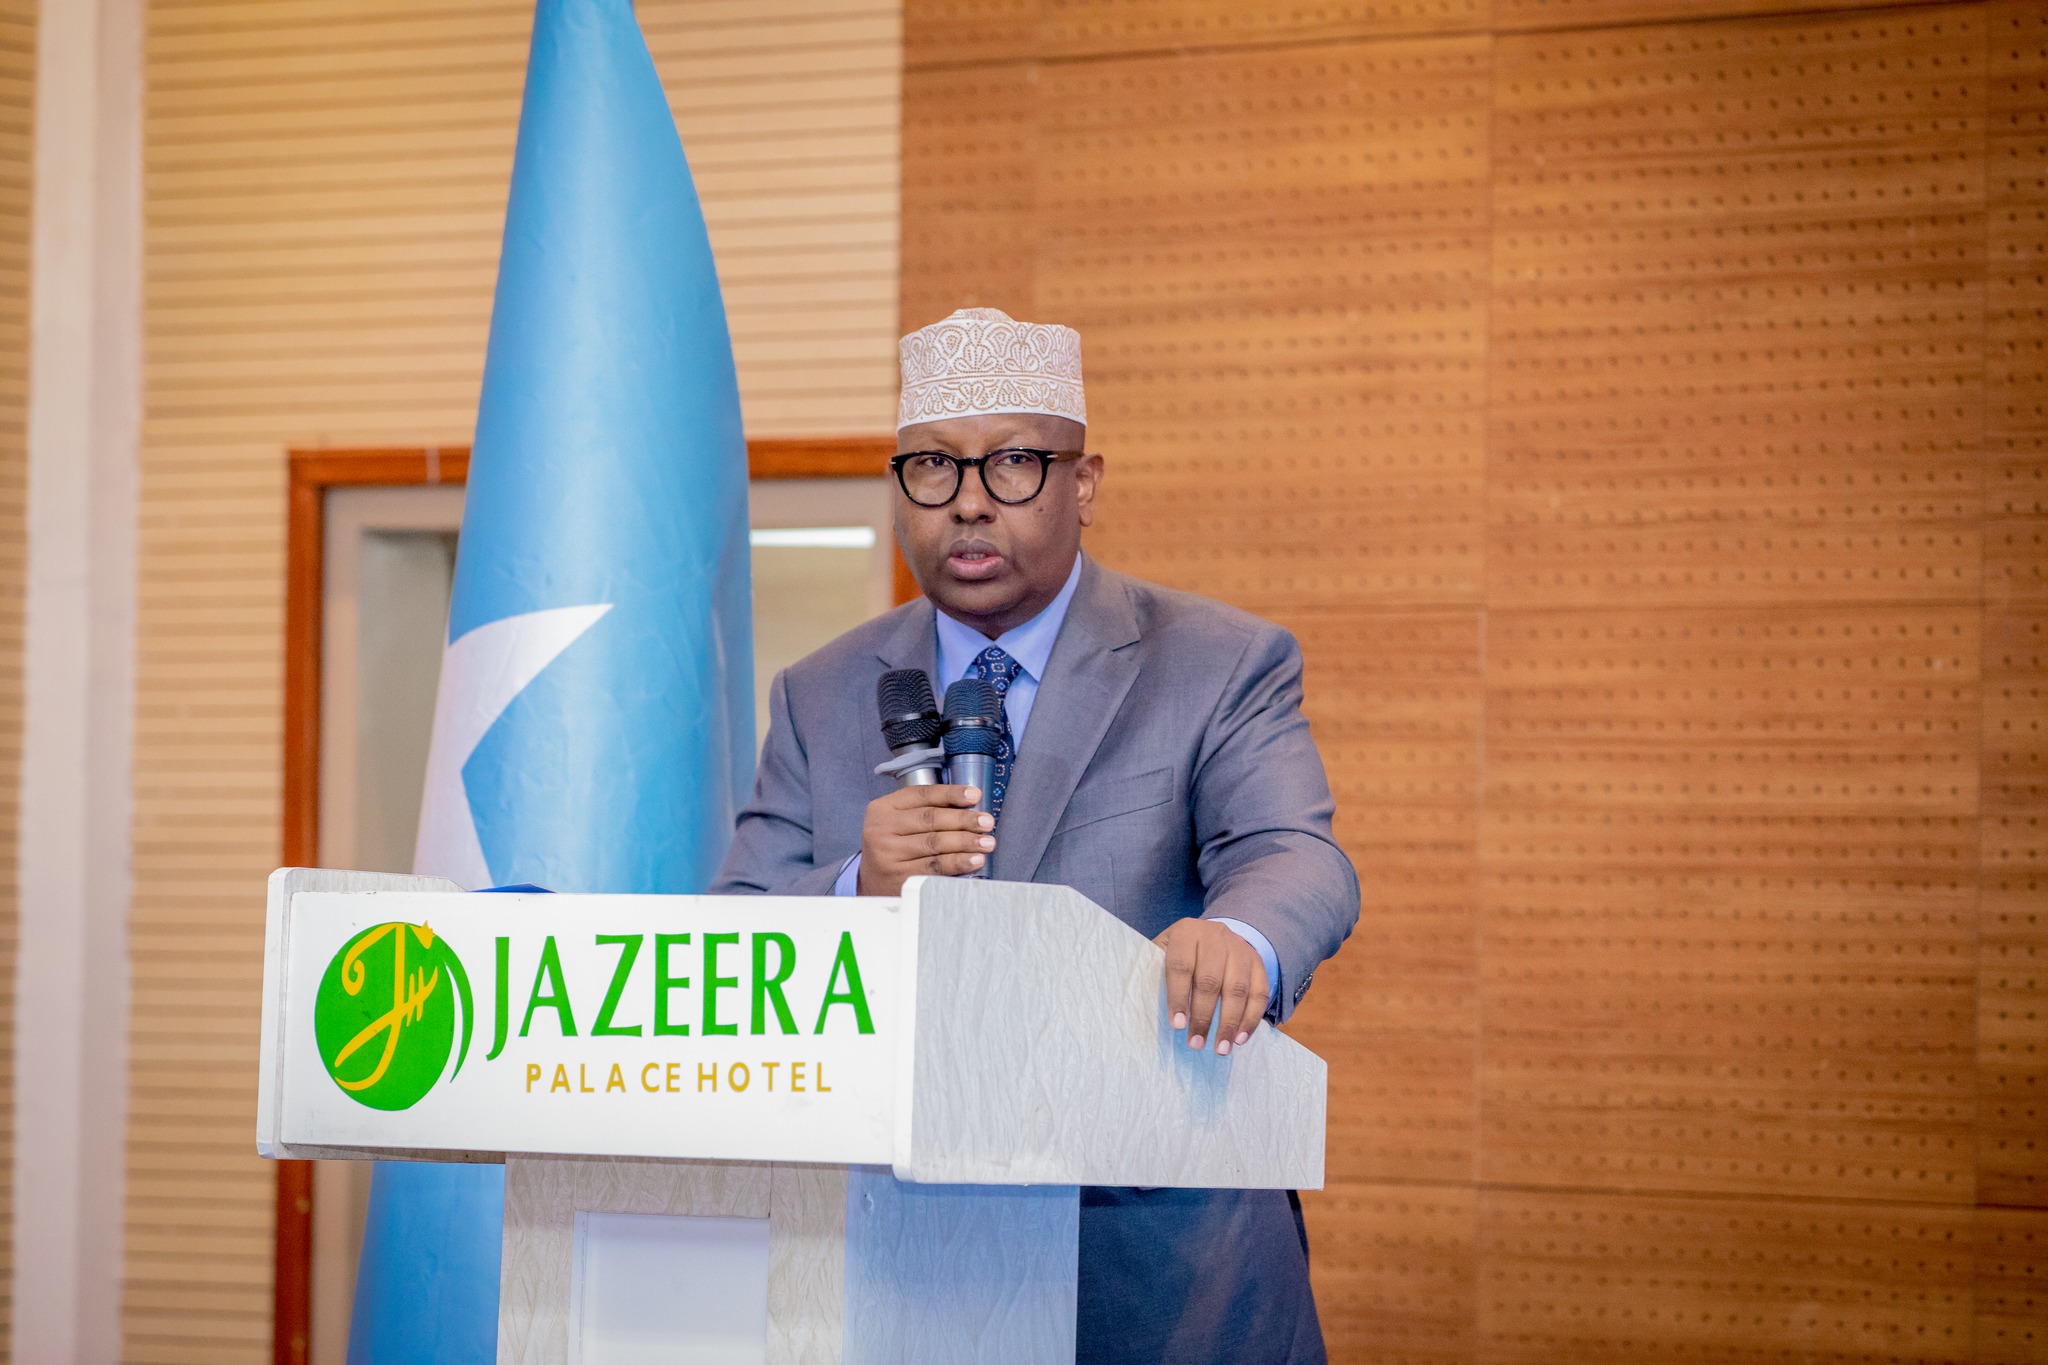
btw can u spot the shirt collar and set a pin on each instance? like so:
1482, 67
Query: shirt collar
1029, 644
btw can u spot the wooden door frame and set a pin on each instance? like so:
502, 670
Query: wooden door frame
313, 474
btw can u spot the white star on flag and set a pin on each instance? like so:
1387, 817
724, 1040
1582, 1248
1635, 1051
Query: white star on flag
480, 675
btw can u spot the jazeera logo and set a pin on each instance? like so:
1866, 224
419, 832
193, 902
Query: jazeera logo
384, 1016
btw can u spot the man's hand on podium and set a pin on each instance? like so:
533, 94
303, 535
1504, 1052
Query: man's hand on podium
915, 831
1213, 973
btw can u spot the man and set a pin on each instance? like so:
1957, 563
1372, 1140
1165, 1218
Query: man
1155, 759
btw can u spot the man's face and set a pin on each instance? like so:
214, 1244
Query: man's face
985, 563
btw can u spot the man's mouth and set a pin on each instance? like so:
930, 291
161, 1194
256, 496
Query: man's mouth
974, 559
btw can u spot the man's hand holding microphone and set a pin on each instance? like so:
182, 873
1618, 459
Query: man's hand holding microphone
915, 831
931, 827
928, 826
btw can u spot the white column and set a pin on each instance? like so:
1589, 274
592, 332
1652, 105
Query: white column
84, 405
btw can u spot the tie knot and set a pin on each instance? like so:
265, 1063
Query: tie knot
996, 668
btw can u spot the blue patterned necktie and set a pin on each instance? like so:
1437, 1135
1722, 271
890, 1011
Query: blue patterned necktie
999, 670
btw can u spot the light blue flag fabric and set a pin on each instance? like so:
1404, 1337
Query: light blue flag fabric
594, 728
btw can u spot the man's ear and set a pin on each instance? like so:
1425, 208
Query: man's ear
1087, 477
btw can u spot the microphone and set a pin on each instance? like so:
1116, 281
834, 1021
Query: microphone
910, 727
974, 735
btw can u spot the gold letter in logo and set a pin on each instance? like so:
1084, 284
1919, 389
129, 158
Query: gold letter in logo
408, 998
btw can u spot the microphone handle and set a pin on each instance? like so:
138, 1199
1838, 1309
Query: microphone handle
973, 770
919, 777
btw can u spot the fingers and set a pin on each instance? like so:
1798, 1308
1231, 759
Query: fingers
1213, 978
950, 854
955, 864
1256, 1006
923, 831
1208, 988
938, 794
1180, 973
930, 818
1244, 998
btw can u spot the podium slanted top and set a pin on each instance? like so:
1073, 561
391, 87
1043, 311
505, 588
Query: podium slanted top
970, 1032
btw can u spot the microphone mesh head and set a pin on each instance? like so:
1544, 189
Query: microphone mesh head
910, 714
971, 699
974, 718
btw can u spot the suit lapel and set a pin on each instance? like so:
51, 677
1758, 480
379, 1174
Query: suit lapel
913, 640
1090, 670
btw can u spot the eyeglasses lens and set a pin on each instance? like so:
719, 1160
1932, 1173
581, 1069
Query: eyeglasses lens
1013, 475
931, 479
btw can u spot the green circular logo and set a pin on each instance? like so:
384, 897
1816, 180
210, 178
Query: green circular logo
385, 1014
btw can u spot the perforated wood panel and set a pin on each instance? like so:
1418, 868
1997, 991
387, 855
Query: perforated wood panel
1089, 28
17, 103
2016, 308
1395, 702
1510, 15
1637, 410
325, 186
1728, 941
1394, 1273
2011, 1288
1737, 318
970, 144
1589, 1278
952, 32
2012, 979
1277, 261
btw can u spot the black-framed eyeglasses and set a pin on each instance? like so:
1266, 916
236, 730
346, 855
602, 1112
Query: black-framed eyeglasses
1012, 475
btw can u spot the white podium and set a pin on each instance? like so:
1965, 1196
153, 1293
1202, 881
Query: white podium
776, 1129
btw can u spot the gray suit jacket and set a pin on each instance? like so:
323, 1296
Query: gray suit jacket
1167, 771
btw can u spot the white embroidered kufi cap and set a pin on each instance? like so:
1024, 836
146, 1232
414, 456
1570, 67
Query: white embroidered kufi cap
981, 360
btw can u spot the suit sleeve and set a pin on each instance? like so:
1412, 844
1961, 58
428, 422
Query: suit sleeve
1262, 811
771, 853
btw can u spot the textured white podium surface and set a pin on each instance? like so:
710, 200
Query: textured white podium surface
1012, 1043
669, 1289
863, 1269
951, 1273
1044, 1054
806, 1211
1008, 1034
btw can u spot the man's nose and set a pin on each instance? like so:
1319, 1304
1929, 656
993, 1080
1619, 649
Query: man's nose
973, 504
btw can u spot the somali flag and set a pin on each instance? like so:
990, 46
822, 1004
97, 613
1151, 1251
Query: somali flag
594, 730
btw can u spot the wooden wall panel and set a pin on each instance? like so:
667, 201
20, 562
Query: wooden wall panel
1636, 408
17, 105
1395, 703
1738, 312
1277, 263
978, 32
2012, 1023
1511, 15
2012, 979
324, 193
1094, 28
2011, 1287
970, 146
1637, 1280
1394, 1272
2016, 308
1728, 940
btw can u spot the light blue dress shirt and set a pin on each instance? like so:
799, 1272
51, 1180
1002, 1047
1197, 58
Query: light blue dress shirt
1031, 646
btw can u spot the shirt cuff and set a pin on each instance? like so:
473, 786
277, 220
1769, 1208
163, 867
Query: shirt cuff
849, 882
1266, 955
